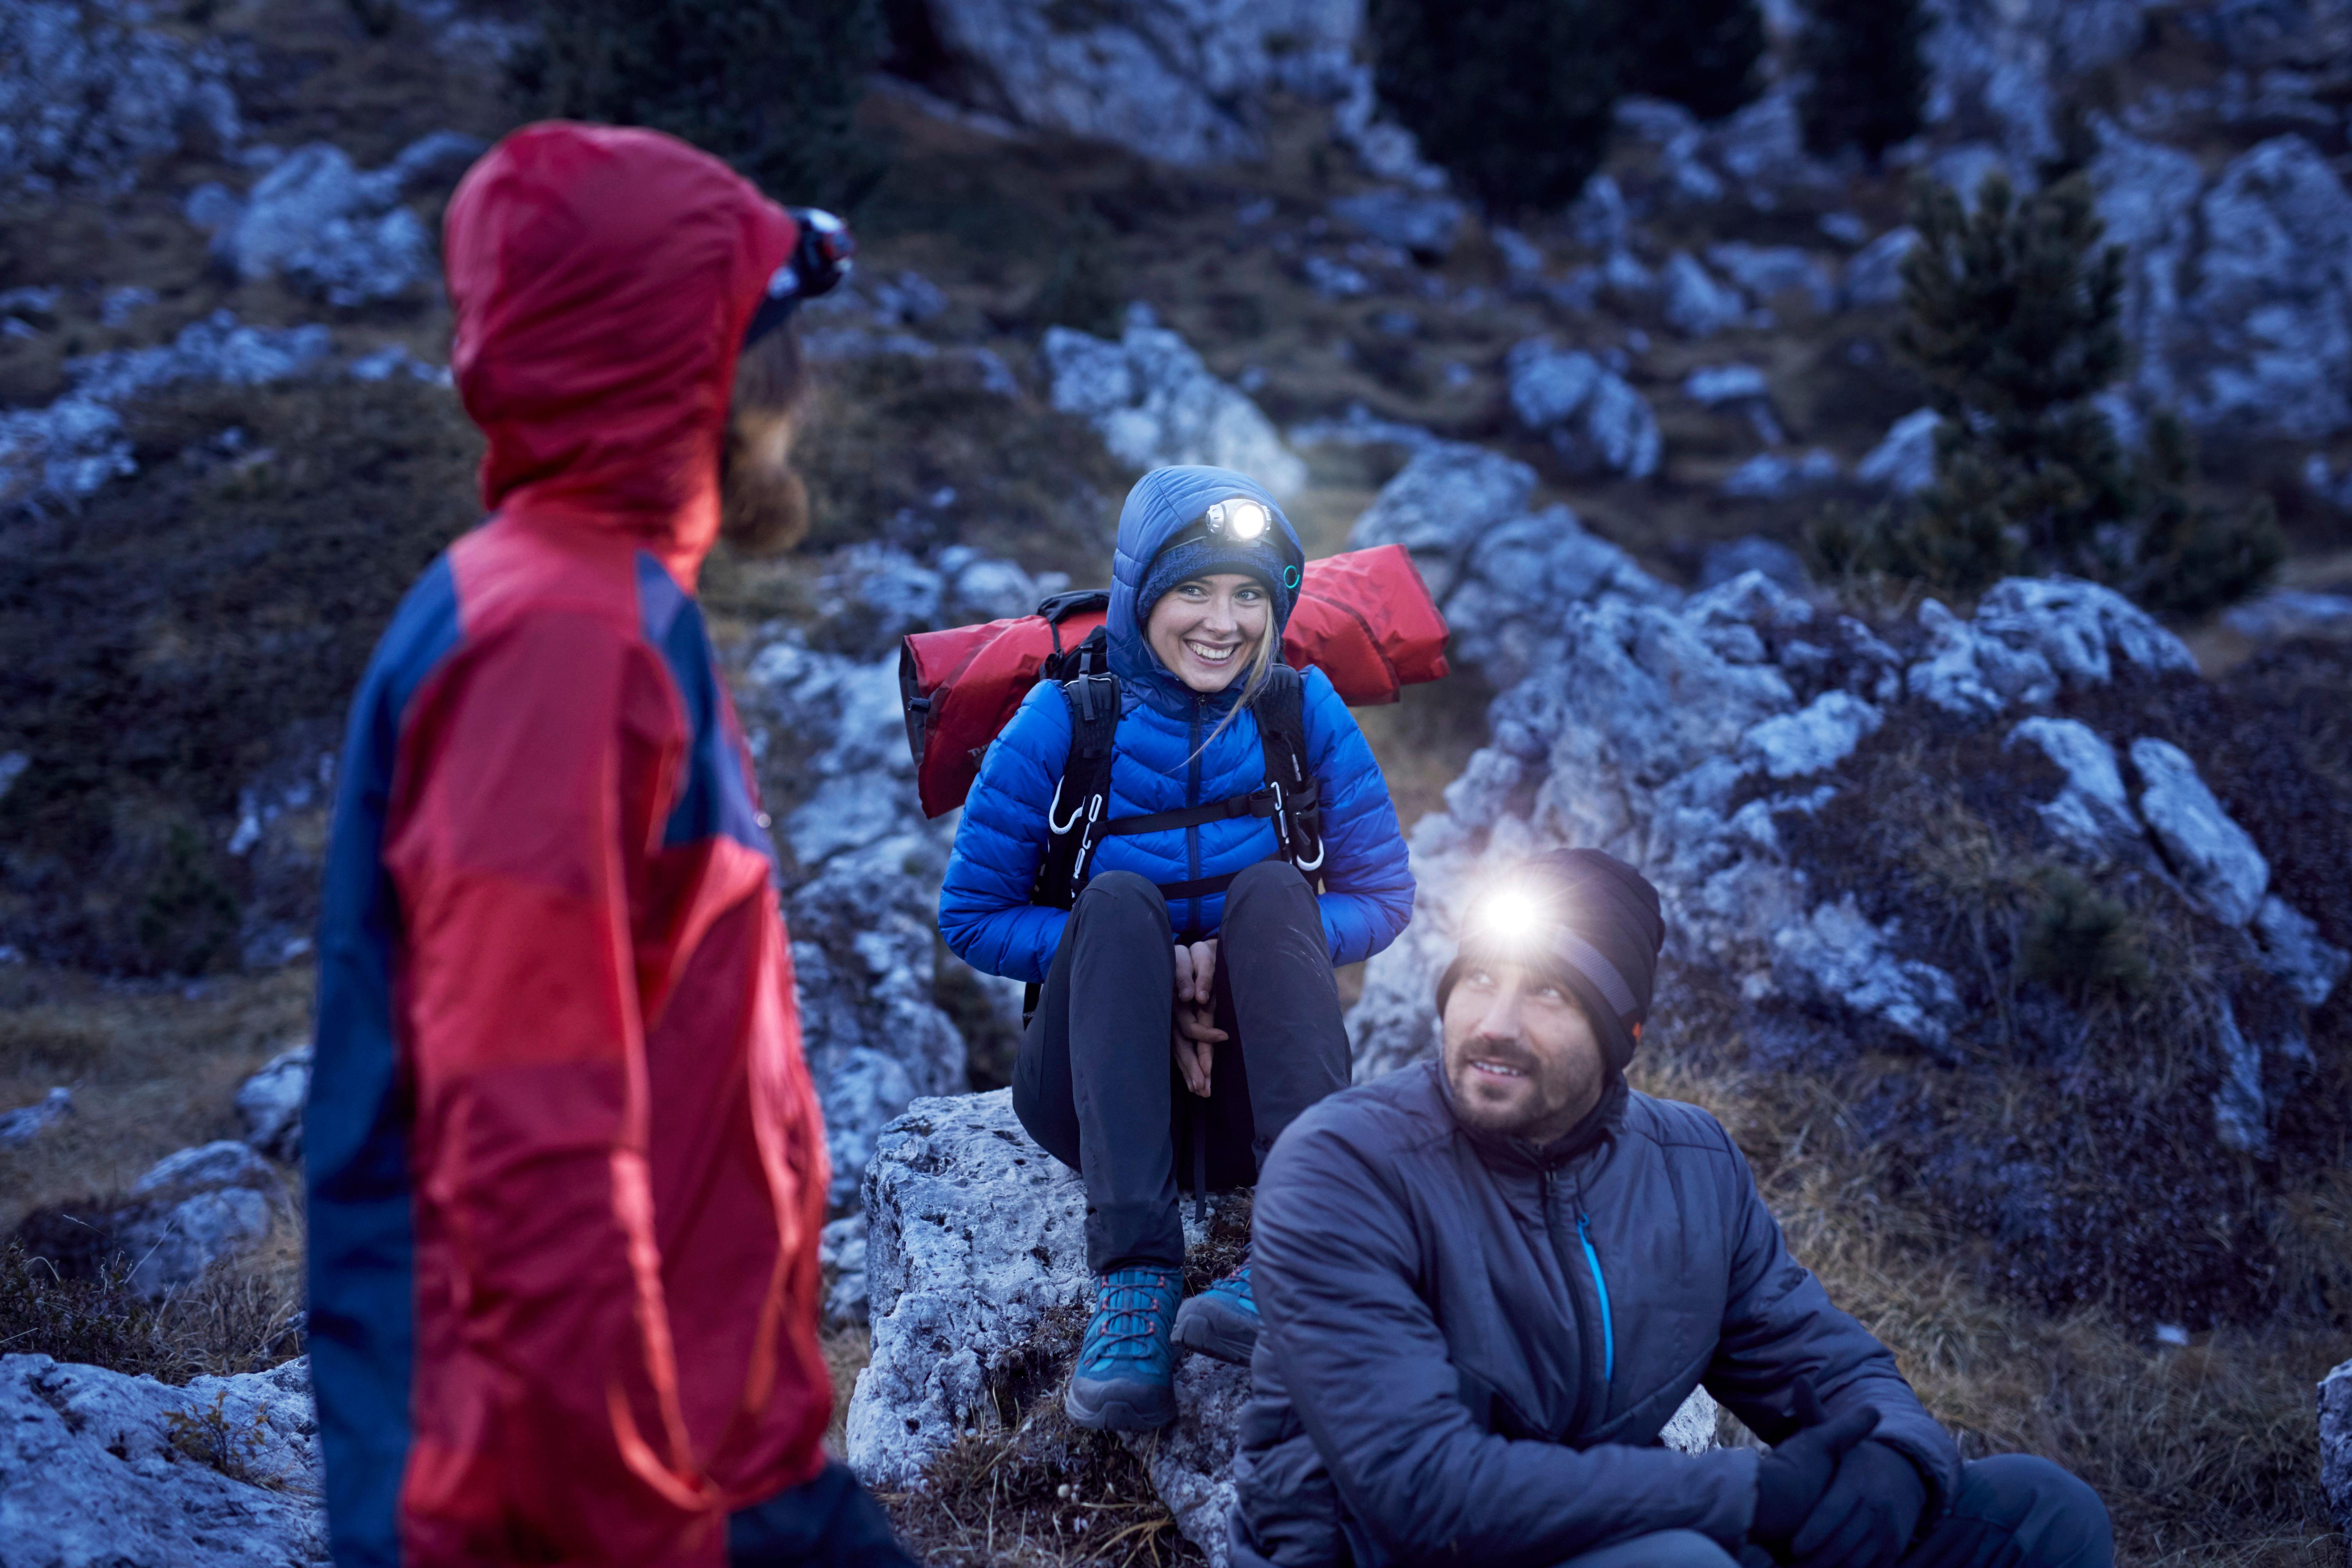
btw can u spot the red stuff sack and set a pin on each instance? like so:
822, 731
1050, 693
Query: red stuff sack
1364, 618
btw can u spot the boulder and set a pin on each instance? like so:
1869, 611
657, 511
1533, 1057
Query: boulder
1713, 385
2238, 296
2292, 613
975, 1244
1185, 81
973, 1234
27, 1123
271, 1102
2090, 813
192, 1210
2031, 636
1904, 459
1156, 405
1874, 275
1838, 957
1771, 476
862, 871
89, 95
1734, 558
1697, 304
98, 1468
1596, 420
1423, 225
331, 231
2214, 859
2293, 950
70, 447
1769, 272
2335, 1444
841, 1252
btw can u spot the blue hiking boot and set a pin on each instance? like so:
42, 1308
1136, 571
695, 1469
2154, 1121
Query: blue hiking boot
1126, 1377
1222, 1321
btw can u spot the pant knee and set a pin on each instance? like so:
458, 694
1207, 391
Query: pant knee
1262, 890
1665, 1549
1121, 897
2055, 1519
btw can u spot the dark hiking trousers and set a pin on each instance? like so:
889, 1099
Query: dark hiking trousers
1095, 1081
2014, 1511
828, 1523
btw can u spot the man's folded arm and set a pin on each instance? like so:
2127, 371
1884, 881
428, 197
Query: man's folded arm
1780, 1324
1367, 1368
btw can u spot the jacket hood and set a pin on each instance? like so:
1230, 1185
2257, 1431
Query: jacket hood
602, 280
1161, 504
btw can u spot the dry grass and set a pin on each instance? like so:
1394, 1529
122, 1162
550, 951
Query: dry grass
2207, 1455
245, 1316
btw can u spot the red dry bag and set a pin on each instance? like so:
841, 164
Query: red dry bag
1364, 618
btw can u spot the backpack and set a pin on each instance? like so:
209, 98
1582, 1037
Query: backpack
1364, 618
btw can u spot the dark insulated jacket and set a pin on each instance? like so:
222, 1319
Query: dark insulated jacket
1470, 1347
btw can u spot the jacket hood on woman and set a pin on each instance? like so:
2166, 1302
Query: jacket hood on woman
566, 1167
1165, 760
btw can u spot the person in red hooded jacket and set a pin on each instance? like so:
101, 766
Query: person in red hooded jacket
566, 1168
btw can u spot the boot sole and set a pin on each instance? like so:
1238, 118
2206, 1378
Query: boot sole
1208, 1326
1119, 1406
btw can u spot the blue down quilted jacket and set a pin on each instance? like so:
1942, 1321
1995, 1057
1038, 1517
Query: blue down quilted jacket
984, 909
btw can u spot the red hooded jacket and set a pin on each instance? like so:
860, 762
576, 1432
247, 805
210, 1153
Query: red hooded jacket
566, 1166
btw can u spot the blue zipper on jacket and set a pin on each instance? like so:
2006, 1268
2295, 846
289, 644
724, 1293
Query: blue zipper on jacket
1607, 1332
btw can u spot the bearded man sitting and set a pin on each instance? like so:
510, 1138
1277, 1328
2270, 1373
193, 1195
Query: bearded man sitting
1487, 1282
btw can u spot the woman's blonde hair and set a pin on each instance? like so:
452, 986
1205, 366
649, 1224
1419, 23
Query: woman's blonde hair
1261, 660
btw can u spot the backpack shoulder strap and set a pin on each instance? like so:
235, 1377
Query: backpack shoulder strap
1078, 814
1281, 709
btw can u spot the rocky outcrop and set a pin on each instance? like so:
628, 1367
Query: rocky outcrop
333, 232
1156, 405
863, 876
1595, 419
2238, 291
27, 1123
88, 94
270, 1104
1183, 80
76, 444
2335, 1448
975, 1243
96, 1468
1506, 576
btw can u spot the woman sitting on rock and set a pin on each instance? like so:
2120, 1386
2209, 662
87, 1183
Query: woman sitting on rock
1198, 954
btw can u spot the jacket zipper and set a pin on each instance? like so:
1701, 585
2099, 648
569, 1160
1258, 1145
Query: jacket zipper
1552, 1227
1192, 797
1601, 1287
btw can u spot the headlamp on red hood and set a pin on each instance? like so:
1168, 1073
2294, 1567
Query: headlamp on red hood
822, 259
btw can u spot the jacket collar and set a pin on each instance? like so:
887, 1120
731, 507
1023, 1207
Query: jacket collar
1504, 1151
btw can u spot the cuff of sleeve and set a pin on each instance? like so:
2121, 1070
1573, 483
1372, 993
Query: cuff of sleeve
1938, 1466
1727, 1527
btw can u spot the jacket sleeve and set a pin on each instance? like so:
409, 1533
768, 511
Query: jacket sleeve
1334, 1256
1779, 1324
1366, 874
530, 780
984, 909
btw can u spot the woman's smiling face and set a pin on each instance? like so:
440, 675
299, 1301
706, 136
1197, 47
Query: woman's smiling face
1205, 630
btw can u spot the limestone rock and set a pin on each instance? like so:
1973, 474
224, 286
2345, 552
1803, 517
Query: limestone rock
192, 1210
1769, 272
841, 1248
101, 1468
1181, 80
2336, 1444
1422, 225
1156, 405
333, 232
1769, 476
973, 1234
2242, 1112
1190, 1463
1815, 738
1840, 957
2292, 613
271, 1102
1754, 552
1441, 504
862, 889
28, 1122
76, 444
2091, 813
2031, 636
2293, 950
1595, 419
1904, 459
89, 95
1697, 304
2215, 859
1714, 385
1874, 275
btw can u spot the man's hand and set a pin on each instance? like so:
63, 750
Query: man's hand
1869, 1514
1792, 1478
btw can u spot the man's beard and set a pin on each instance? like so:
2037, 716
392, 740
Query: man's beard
763, 504
1551, 1087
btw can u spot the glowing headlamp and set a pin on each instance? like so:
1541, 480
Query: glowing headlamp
1241, 520
1508, 916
